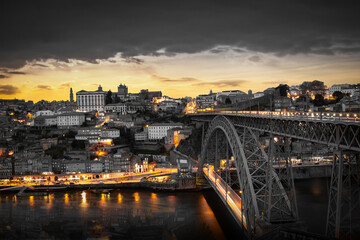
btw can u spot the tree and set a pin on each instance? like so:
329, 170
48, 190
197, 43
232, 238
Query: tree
283, 89
319, 100
78, 144
108, 98
338, 95
315, 85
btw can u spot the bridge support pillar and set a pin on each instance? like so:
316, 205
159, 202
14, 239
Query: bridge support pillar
343, 195
279, 157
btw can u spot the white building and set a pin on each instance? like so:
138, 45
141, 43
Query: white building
158, 131
116, 107
258, 94
43, 113
90, 100
70, 120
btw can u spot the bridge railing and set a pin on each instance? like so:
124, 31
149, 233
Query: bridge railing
229, 196
320, 116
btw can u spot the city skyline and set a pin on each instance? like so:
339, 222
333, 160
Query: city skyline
181, 49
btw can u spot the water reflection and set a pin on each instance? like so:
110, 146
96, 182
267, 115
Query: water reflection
136, 197
66, 198
141, 215
119, 198
31, 201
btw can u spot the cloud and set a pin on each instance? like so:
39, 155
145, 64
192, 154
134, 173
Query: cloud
16, 72
133, 60
136, 28
255, 58
9, 89
65, 85
274, 83
3, 76
39, 65
222, 83
44, 87
178, 80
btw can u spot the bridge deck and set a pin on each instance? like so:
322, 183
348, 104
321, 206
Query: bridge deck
231, 199
353, 118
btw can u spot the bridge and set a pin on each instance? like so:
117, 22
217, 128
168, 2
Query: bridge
252, 142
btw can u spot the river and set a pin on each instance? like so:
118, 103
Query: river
140, 214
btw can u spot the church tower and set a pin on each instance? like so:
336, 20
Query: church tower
71, 95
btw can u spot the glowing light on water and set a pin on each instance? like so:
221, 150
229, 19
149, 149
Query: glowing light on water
136, 196
83, 197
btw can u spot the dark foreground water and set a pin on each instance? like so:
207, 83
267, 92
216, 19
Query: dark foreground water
142, 214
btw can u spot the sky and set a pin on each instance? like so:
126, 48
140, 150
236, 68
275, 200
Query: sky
183, 48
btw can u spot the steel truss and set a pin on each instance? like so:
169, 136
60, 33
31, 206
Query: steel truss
344, 195
263, 196
341, 135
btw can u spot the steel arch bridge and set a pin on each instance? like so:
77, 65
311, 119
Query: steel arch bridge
265, 196
256, 186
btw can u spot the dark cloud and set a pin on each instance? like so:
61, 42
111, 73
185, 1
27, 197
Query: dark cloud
9, 89
133, 60
44, 87
16, 72
90, 30
39, 65
3, 76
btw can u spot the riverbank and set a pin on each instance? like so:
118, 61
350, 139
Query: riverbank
181, 184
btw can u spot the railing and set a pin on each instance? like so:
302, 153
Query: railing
232, 199
319, 116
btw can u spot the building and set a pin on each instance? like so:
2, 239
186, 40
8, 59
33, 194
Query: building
282, 102
233, 97
90, 100
142, 136
67, 120
122, 91
97, 135
116, 107
44, 113
158, 131
175, 135
206, 101
45, 121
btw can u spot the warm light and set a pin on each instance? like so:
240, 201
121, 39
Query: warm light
136, 196
83, 197
153, 196
11, 153
119, 198
31, 200
66, 197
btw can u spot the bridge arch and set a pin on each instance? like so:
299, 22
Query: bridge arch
262, 196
